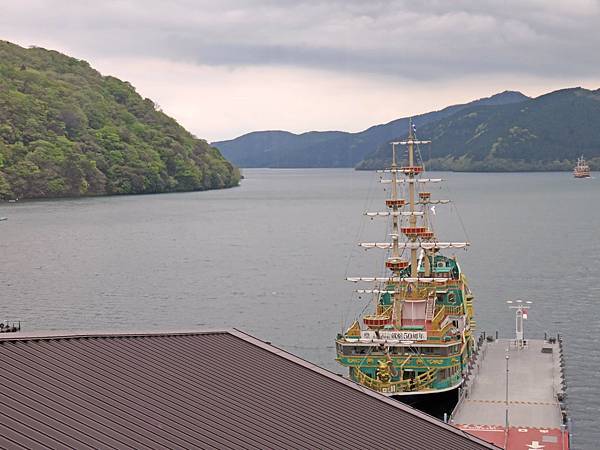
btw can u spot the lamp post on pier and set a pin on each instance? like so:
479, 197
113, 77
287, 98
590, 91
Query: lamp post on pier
506, 404
521, 311
506, 399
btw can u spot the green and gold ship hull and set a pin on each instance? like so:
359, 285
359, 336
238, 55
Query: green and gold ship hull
418, 345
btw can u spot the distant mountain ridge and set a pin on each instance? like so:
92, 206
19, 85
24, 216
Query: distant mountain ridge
333, 148
539, 134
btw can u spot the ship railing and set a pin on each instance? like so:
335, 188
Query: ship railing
425, 379
454, 310
430, 286
416, 293
384, 310
441, 332
419, 382
378, 385
439, 316
442, 314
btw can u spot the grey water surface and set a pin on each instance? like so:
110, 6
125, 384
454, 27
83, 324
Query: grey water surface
270, 258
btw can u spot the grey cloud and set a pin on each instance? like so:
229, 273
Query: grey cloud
429, 39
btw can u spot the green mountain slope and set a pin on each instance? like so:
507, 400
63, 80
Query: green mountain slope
281, 148
66, 130
332, 148
545, 133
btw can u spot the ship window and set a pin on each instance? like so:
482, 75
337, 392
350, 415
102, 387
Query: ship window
441, 264
451, 298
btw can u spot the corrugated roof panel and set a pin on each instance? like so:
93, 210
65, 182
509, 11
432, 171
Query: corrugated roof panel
7, 443
194, 390
94, 388
158, 381
35, 430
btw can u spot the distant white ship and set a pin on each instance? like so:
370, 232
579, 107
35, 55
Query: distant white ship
581, 170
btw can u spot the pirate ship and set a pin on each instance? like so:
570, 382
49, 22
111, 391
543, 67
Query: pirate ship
581, 170
417, 343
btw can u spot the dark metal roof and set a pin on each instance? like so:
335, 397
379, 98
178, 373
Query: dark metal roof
221, 389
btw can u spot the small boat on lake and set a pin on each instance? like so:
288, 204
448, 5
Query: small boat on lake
582, 169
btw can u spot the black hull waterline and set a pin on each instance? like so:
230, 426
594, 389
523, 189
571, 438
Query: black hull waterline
434, 404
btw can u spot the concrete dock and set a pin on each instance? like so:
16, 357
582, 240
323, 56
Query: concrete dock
536, 418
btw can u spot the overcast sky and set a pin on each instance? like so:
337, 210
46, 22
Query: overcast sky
226, 67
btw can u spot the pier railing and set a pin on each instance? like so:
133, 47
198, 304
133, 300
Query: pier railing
559, 385
10, 327
470, 377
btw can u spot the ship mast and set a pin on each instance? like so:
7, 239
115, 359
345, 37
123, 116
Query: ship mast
395, 230
411, 198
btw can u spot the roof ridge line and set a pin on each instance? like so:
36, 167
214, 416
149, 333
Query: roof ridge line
77, 334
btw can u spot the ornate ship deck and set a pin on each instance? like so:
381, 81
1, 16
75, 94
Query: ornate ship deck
535, 410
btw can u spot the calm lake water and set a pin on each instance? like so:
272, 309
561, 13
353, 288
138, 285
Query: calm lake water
270, 258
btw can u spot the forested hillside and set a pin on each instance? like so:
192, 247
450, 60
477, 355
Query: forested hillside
545, 133
333, 148
66, 130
